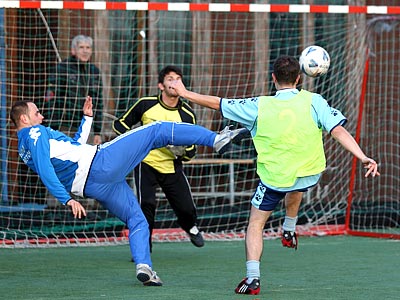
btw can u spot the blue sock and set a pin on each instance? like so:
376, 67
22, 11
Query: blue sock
253, 270
289, 224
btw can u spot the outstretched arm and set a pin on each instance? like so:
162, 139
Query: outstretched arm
347, 141
203, 100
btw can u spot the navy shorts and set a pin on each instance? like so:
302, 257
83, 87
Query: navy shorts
267, 199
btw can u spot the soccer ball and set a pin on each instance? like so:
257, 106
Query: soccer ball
314, 61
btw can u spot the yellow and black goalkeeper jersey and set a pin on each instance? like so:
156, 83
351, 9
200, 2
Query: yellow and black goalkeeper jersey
150, 109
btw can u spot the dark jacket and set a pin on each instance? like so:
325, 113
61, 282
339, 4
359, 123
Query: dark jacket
68, 87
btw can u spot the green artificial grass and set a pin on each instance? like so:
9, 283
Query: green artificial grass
338, 267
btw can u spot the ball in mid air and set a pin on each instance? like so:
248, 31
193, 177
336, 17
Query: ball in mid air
314, 61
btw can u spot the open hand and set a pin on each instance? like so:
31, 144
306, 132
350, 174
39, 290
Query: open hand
179, 87
88, 107
77, 209
371, 166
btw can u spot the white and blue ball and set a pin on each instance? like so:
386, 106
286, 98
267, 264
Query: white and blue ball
314, 61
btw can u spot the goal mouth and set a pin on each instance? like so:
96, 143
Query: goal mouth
224, 49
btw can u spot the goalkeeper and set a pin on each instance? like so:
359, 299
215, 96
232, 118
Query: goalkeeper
163, 166
287, 133
70, 166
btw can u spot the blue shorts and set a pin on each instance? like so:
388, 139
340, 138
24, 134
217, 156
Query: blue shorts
267, 199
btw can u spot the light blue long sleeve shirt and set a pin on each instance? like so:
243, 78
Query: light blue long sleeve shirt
245, 111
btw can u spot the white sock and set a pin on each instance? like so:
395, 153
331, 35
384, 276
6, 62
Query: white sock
194, 230
142, 265
289, 224
253, 270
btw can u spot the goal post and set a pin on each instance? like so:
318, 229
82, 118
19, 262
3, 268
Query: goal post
225, 49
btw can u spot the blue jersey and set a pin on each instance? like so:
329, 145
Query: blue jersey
245, 111
62, 162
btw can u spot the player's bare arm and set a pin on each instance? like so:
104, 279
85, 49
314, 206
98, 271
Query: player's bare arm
77, 209
203, 100
348, 142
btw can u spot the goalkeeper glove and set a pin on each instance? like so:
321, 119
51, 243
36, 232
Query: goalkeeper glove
176, 150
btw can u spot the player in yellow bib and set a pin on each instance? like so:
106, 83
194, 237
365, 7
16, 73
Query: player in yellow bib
283, 126
287, 133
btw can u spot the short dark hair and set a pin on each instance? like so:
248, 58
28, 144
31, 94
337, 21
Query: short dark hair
167, 70
19, 108
286, 69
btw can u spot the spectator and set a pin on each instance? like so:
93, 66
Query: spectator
73, 79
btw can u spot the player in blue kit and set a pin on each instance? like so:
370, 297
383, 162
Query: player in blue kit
287, 133
70, 166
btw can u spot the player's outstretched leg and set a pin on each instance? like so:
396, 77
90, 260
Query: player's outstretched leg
189, 134
289, 239
146, 275
252, 288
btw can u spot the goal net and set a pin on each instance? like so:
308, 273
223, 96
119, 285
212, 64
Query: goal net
225, 49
